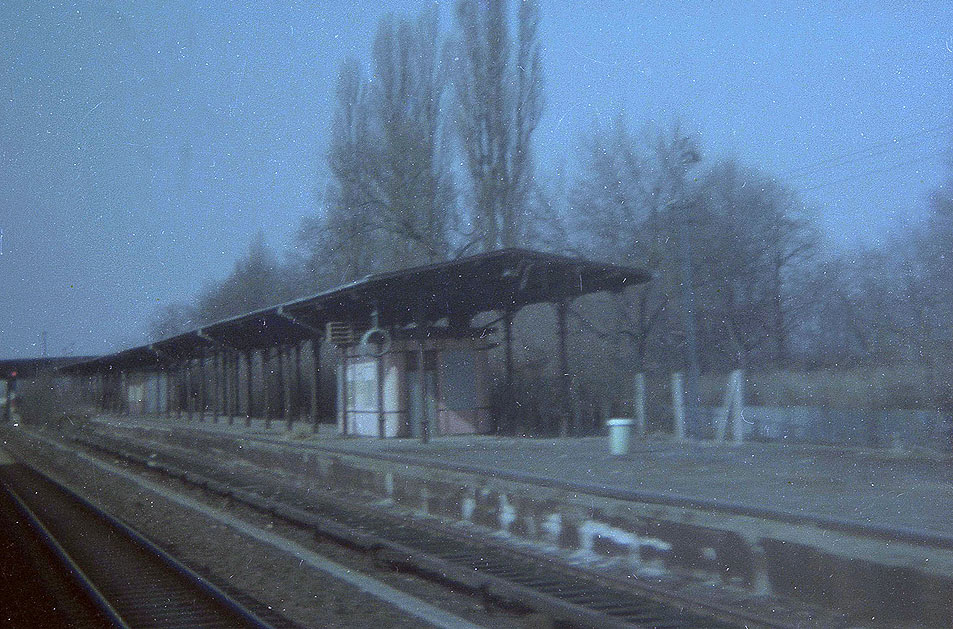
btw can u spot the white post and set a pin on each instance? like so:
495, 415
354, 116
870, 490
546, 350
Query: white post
737, 389
576, 411
639, 402
678, 405
722, 417
341, 393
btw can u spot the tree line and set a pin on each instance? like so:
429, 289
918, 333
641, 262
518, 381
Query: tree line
431, 158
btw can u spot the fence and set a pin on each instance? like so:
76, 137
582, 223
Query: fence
869, 428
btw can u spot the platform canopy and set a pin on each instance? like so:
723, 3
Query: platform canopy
504, 280
11, 368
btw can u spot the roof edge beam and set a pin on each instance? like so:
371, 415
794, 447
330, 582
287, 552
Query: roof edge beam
295, 321
214, 341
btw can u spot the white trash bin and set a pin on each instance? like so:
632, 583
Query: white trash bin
620, 435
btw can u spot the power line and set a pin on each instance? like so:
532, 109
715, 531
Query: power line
870, 151
863, 160
875, 171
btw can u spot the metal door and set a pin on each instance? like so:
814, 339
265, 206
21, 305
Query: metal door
413, 392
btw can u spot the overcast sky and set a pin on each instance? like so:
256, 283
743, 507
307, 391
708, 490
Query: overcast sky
142, 144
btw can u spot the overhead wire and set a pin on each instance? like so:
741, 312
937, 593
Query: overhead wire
875, 171
859, 155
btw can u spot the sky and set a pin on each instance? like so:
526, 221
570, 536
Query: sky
143, 144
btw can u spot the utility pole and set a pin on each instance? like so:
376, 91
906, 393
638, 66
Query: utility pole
688, 319
688, 158
44, 344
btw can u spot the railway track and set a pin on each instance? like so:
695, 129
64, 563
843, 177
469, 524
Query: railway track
133, 582
569, 596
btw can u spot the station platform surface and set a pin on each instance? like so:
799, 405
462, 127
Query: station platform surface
871, 487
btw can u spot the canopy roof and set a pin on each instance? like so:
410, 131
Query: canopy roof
507, 279
31, 367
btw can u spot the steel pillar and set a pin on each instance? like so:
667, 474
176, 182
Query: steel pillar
315, 382
267, 372
283, 355
203, 392
248, 386
297, 382
236, 389
565, 381
508, 395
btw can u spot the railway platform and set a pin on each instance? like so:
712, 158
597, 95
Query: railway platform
873, 487
827, 526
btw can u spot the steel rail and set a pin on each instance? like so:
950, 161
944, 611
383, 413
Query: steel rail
187, 599
76, 572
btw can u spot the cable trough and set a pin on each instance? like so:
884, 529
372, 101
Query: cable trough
559, 591
134, 582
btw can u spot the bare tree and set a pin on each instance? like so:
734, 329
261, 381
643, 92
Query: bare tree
754, 254
172, 319
624, 208
390, 201
499, 104
411, 187
341, 242
257, 281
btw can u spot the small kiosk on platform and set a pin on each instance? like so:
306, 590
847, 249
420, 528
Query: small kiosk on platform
456, 395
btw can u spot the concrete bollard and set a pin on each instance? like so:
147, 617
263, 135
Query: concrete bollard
639, 403
678, 405
737, 406
620, 435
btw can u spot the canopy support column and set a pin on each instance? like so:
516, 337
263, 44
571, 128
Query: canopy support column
188, 390
203, 385
315, 381
248, 386
565, 380
422, 381
297, 382
284, 355
167, 373
158, 390
267, 371
282, 389
236, 388
509, 405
